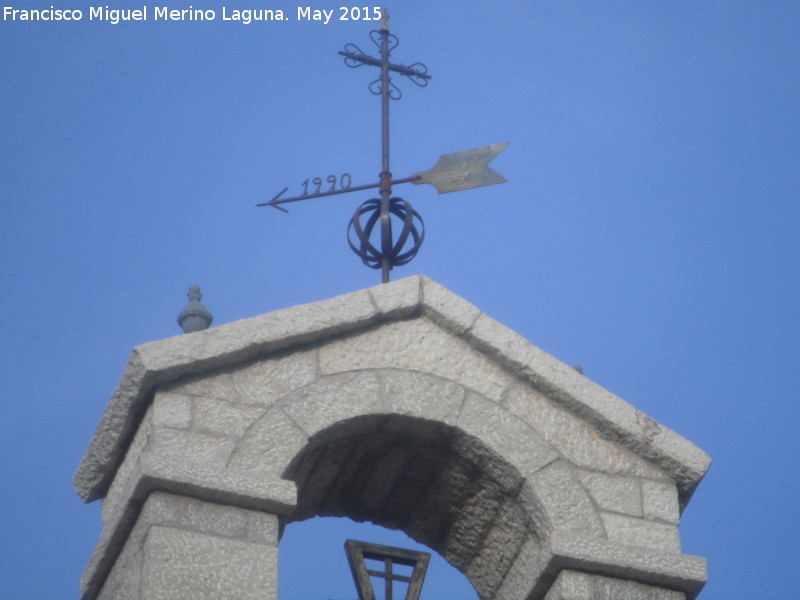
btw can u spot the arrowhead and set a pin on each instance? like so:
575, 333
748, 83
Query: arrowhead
274, 202
463, 170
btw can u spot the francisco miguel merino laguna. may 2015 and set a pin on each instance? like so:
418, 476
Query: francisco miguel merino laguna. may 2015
165, 13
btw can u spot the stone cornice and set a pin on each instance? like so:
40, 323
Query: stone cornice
156, 363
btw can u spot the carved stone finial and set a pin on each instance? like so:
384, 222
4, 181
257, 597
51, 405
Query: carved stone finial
194, 316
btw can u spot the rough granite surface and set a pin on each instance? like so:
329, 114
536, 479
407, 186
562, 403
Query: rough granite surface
158, 363
403, 405
572, 585
185, 549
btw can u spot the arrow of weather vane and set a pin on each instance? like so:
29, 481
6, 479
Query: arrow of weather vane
451, 173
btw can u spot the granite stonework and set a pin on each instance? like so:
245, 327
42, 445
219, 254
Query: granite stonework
185, 549
572, 585
403, 405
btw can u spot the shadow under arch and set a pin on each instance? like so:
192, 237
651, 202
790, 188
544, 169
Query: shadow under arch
439, 485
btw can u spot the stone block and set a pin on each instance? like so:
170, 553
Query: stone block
525, 572
185, 565
687, 462
334, 399
128, 472
259, 383
447, 310
572, 585
438, 503
554, 378
334, 316
173, 410
191, 479
417, 345
421, 395
397, 299
660, 501
568, 507
472, 523
500, 547
124, 580
264, 382
269, 445
653, 567
573, 437
241, 341
221, 520
638, 532
419, 429
608, 588
324, 471
105, 449
613, 493
488, 463
116, 573
202, 448
503, 343
217, 384
219, 417
505, 434
269, 494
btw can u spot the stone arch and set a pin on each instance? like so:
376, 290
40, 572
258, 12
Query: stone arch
423, 478
505, 447
410, 450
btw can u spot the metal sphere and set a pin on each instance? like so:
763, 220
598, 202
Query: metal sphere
413, 230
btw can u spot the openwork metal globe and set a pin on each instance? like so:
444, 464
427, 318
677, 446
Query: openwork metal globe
393, 254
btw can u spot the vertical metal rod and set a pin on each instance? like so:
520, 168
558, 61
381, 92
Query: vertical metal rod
386, 175
389, 581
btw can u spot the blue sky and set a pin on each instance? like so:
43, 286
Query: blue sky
650, 230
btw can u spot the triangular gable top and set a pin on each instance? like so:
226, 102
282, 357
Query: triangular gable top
157, 363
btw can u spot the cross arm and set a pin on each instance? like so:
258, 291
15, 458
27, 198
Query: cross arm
376, 62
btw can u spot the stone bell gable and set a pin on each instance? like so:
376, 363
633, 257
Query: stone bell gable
401, 404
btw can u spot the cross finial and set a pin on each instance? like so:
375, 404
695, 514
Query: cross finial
380, 211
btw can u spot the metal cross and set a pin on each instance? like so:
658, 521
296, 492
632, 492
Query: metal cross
453, 172
390, 254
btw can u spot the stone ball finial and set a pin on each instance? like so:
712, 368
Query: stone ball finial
194, 316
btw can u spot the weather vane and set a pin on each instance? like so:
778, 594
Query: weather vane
452, 172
